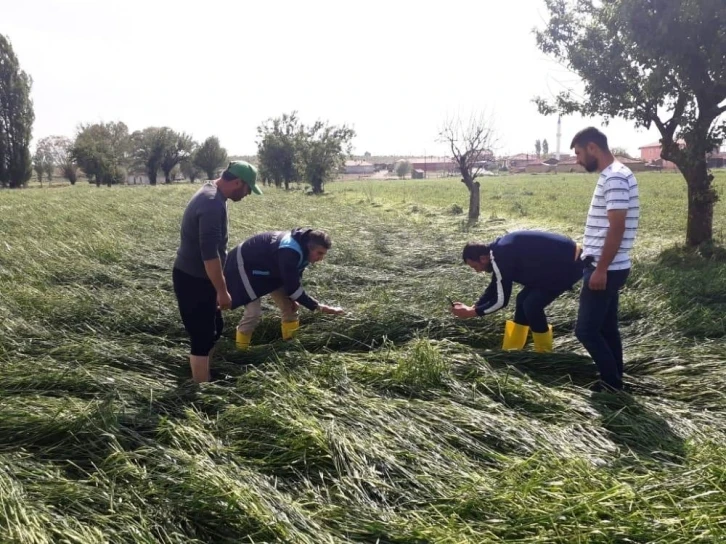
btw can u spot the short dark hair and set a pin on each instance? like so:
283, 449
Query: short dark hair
590, 135
474, 250
228, 176
319, 238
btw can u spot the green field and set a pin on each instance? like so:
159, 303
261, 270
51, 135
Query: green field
392, 424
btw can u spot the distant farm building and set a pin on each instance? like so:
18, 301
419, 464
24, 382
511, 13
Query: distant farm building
360, 168
430, 164
650, 155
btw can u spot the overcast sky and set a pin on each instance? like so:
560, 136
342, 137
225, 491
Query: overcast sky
393, 70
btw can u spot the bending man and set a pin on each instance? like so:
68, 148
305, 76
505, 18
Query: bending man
545, 264
272, 263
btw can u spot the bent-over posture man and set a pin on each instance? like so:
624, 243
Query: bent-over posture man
545, 264
273, 263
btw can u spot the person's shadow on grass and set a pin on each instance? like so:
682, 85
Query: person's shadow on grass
633, 425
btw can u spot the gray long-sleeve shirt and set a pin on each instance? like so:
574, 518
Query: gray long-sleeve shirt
203, 231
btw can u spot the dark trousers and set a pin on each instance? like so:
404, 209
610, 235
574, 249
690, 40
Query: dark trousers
197, 300
597, 326
531, 303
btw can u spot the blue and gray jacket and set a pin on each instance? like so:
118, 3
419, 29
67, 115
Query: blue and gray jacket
266, 262
535, 259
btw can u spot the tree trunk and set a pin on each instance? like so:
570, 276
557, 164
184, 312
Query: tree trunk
691, 161
701, 199
473, 187
474, 201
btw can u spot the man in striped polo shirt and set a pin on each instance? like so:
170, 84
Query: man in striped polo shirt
612, 223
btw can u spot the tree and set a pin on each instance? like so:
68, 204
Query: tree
278, 151
655, 62
537, 147
402, 169
44, 159
210, 156
103, 151
471, 143
16, 119
620, 152
190, 170
545, 148
148, 150
177, 149
57, 150
39, 164
56, 153
324, 149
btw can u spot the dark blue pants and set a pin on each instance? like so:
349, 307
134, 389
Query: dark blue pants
531, 303
597, 326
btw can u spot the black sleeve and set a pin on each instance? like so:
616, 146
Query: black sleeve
497, 294
211, 218
288, 260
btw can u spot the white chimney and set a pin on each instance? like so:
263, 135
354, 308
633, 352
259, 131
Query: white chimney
559, 137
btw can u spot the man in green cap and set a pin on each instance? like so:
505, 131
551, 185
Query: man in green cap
199, 284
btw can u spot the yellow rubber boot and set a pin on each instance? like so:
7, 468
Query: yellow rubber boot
515, 335
543, 341
289, 328
242, 340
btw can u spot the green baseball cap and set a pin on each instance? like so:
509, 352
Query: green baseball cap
246, 172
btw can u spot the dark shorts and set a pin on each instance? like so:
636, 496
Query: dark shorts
197, 300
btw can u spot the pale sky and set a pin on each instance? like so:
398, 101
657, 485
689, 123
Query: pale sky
393, 70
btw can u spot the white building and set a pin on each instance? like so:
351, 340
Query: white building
359, 167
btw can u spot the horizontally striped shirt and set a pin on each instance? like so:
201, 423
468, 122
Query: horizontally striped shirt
617, 189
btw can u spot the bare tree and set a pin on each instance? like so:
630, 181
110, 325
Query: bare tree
471, 144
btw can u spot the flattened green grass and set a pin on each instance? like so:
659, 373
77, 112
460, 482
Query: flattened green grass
394, 423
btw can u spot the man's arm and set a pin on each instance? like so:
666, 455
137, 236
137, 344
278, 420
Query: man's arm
210, 235
287, 260
617, 199
487, 299
616, 231
501, 290
495, 297
213, 268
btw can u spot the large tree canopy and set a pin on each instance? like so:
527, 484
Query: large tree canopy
658, 63
102, 150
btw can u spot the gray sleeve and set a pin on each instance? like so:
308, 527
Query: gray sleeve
211, 221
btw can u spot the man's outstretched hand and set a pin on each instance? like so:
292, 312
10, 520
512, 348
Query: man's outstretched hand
332, 310
462, 311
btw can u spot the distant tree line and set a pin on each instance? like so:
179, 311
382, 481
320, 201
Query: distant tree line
289, 151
